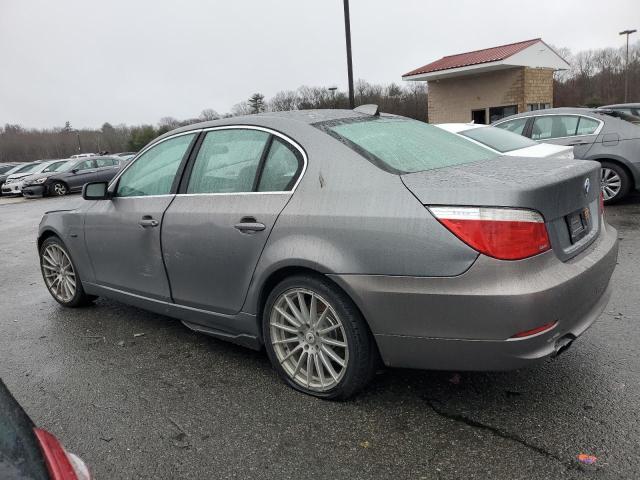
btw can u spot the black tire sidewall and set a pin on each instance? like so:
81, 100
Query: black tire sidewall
625, 180
361, 364
79, 298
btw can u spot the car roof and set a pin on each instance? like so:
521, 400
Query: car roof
294, 119
592, 112
620, 105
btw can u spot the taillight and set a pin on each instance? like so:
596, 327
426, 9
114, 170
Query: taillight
60, 464
503, 233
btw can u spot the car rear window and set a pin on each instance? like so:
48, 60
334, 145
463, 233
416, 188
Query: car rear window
401, 145
498, 139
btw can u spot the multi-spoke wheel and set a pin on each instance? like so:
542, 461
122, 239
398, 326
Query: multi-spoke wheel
614, 182
317, 339
59, 189
60, 274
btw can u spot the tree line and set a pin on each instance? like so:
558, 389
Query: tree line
596, 78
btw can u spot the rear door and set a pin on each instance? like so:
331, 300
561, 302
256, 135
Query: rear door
577, 131
107, 169
122, 234
214, 231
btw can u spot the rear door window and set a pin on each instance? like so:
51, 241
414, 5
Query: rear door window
281, 168
228, 161
401, 145
587, 126
554, 126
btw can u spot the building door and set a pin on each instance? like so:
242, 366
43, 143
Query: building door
479, 116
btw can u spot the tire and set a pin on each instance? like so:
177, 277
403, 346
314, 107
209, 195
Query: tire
54, 261
59, 189
303, 349
615, 182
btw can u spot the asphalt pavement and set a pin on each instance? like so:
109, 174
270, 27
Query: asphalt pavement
138, 395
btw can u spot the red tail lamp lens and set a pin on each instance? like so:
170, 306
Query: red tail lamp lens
503, 233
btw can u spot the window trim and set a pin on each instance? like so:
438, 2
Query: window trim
192, 158
532, 118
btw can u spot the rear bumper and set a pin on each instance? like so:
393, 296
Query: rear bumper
34, 191
465, 322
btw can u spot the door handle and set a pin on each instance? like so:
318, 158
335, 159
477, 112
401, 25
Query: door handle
249, 225
147, 221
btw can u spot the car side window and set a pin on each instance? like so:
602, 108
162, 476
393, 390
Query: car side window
281, 167
587, 126
104, 162
86, 165
516, 125
228, 161
554, 126
155, 170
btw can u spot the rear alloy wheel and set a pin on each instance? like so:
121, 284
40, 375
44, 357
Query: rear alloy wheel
59, 189
614, 182
59, 274
316, 338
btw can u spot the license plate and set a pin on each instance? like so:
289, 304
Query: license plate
579, 224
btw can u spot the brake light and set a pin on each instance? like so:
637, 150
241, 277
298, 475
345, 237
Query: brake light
60, 464
503, 233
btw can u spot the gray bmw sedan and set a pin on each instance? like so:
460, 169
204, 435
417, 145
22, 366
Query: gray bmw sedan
340, 239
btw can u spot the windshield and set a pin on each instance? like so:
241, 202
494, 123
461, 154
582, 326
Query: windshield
401, 145
30, 167
621, 115
498, 139
54, 167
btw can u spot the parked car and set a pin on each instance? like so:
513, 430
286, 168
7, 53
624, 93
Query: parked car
71, 176
594, 135
84, 155
5, 167
13, 183
337, 237
124, 154
15, 169
31, 453
505, 142
628, 108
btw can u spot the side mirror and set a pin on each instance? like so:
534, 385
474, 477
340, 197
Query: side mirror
74, 171
95, 191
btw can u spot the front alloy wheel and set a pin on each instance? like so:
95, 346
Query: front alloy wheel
59, 189
60, 274
317, 339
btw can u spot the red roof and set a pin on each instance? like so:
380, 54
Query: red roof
474, 58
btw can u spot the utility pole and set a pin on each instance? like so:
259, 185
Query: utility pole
347, 31
626, 66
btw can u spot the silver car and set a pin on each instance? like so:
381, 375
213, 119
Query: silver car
337, 239
594, 135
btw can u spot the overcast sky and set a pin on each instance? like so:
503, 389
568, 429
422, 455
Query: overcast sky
135, 61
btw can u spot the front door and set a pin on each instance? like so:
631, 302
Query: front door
83, 172
123, 234
215, 230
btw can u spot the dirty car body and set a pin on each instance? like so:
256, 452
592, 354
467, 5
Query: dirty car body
389, 236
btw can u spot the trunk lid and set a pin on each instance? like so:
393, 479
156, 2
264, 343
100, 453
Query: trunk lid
558, 189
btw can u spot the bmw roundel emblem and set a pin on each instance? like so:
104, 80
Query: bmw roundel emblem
587, 185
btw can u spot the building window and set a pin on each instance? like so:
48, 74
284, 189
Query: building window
496, 113
537, 106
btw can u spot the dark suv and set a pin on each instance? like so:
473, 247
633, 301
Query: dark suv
72, 176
